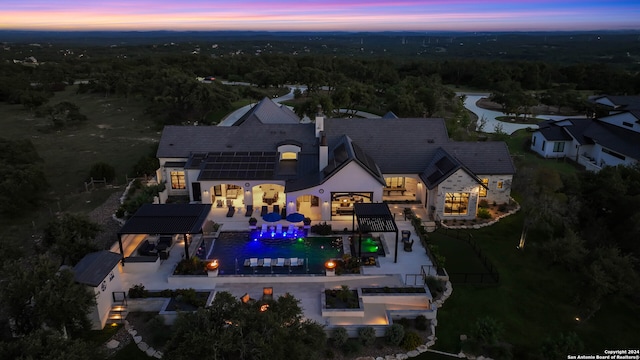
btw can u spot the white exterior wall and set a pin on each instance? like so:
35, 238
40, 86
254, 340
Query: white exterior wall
104, 298
618, 120
351, 178
494, 193
459, 182
548, 152
603, 159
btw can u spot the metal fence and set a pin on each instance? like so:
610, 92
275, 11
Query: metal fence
490, 276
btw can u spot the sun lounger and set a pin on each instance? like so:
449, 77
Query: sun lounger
280, 262
276, 209
291, 229
287, 262
231, 211
249, 211
296, 262
263, 229
266, 262
265, 210
253, 262
279, 229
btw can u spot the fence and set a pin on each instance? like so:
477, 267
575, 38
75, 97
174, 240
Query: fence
91, 184
491, 276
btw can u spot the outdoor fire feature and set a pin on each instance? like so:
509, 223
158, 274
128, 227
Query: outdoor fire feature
212, 267
330, 267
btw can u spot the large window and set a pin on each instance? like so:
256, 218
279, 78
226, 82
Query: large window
558, 146
483, 189
456, 203
177, 180
395, 182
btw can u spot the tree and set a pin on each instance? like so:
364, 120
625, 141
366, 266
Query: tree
48, 345
22, 180
558, 347
102, 170
35, 293
231, 329
64, 114
71, 237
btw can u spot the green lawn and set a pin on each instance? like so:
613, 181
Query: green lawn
533, 300
461, 258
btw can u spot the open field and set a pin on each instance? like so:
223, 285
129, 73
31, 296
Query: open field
117, 132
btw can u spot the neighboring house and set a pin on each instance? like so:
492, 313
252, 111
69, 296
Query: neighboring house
609, 140
321, 169
99, 272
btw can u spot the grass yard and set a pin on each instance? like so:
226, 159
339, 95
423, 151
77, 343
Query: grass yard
117, 132
465, 259
518, 147
532, 300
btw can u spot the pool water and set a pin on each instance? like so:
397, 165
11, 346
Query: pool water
371, 246
231, 249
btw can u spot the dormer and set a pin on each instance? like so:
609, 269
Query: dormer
289, 150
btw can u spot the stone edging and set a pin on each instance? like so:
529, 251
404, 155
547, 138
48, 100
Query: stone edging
489, 223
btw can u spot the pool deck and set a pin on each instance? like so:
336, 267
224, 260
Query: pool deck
306, 288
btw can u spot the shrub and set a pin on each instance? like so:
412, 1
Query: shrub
411, 340
487, 330
159, 333
138, 291
120, 212
483, 213
321, 229
102, 170
367, 335
483, 203
421, 322
339, 336
351, 347
502, 207
394, 334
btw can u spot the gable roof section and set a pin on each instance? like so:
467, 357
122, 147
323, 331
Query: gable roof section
94, 267
620, 102
268, 112
397, 146
441, 167
482, 158
167, 219
613, 137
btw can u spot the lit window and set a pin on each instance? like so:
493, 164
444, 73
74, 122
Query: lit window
499, 185
483, 189
177, 180
456, 203
289, 156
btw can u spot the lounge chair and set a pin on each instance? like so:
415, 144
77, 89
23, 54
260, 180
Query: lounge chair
287, 262
279, 229
280, 262
249, 211
263, 229
265, 210
219, 203
296, 262
231, 211
276, 209
266, 262
253, 262
291, 229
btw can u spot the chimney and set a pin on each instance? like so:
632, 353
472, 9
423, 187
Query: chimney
324, 152
319, 122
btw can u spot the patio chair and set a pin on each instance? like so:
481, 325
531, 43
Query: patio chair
276, 209
280, 262
219, 203
408, 246
249, 211
406, 234
231, 211
265, 210
266, 262
279, 229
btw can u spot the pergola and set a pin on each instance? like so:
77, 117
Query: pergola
374, 217
166, 219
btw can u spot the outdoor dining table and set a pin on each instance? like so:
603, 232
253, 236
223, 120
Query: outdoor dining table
270, 196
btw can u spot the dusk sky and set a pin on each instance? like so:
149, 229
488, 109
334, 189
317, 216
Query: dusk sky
320, 15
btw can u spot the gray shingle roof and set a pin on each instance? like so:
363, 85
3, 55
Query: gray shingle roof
94, 267
268, 112
482, 158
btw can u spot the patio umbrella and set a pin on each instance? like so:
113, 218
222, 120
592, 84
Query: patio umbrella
295, 217
271, 217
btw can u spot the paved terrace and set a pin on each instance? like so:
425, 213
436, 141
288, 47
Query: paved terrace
306, 288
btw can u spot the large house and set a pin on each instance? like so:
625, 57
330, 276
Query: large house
609, 140
269, 160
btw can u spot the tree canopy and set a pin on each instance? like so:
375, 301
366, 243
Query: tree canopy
231, 329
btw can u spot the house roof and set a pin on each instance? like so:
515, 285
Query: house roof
590, 131
482, 158
268, 112
167, 219
621, 102
94, 267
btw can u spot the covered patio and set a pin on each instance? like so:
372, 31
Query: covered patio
374, 217
149, 235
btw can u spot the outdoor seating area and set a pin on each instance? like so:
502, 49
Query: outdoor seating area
268, 262
270, 196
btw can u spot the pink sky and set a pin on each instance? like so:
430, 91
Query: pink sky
314, 15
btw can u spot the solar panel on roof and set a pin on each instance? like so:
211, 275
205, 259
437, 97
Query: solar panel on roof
445, 165
433, 178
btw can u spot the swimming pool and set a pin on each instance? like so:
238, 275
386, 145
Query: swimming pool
231, 249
